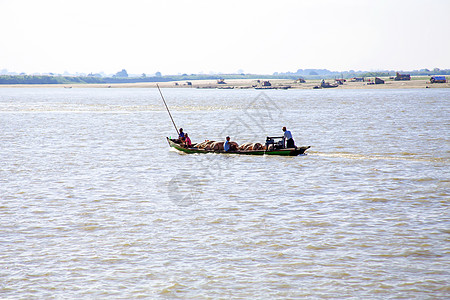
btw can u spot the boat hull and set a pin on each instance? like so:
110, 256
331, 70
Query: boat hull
281, 152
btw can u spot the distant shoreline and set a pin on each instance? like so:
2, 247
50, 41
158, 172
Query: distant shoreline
247, 84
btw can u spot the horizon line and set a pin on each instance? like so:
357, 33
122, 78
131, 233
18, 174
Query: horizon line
67, 73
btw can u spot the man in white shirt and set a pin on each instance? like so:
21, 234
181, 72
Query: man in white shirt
288, 138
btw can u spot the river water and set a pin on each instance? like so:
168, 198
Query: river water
94, 204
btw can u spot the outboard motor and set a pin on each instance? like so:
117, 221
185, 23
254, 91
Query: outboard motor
274, 143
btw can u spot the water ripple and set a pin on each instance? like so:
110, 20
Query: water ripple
95, 205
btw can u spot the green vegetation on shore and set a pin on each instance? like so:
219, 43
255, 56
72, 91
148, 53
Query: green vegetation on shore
49, 79
306, 74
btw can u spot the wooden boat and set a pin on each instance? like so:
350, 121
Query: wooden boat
276, 148
325, 85
174, 143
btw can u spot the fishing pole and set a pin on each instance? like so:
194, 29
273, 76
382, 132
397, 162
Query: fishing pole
170, 115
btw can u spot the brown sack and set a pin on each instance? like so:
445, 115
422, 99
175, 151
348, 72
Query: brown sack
256, 146
205, 145
234, 146
216, 146
245, 146
209, 145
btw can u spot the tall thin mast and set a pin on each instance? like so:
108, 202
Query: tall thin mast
170, 115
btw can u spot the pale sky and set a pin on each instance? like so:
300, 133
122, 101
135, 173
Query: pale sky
262, 37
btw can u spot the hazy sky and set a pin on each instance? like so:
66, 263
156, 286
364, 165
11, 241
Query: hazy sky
175, 36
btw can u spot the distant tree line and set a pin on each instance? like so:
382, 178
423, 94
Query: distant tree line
47, 79
306, 74
326, 74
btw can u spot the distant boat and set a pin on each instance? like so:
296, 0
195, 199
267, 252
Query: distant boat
285, 87
325, 85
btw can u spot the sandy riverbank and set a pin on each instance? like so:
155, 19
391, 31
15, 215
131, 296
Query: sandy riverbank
246, 84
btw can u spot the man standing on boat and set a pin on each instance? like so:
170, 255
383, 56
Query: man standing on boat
227, 145
288, 138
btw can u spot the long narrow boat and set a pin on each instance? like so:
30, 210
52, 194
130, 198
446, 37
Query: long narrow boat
284, 152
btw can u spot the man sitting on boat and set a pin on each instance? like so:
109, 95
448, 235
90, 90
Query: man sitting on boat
288, 138
227, 145
181, 135
187, 140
